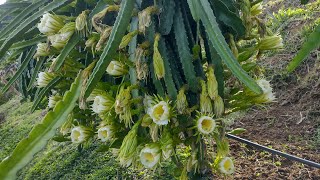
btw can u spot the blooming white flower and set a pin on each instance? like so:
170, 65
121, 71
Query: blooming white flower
102, 103
50, 24
53, 100
160, 113
226, 166
206, 124
268, 95
117, 68
58, 41
79, 134
44, 79
150, 155
105, 133
42, 50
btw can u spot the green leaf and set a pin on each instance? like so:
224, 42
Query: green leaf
23, 66
20, 17
114, 41
185, 55
43, 92
65, 51
41, 133
30, 42
312, 43
35, 72
215, 36
23, 26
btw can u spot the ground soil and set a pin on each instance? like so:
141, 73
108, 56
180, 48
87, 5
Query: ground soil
289, 125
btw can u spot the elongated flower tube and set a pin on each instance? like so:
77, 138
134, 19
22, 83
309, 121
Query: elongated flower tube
218, 106
105, 133
102, 104
128, 147
270, 43
150, 155
44, 79
127, 39
50, 24
80, 134
158, 63
53, 100
206, 125
42, 50
160, 113
117, 68
226, 166
212, 83
59, 40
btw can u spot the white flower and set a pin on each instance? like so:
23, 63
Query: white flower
206, 124
117, 68
42, 50
268, 95
79, 134
44, 79
102, 103
105, 133
58, 41
160, 113
226, 166
53, 100
150, 156
50, 24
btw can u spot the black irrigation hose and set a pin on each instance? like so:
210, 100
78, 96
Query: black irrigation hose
288, 156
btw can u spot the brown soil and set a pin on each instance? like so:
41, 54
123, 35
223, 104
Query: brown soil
289, 125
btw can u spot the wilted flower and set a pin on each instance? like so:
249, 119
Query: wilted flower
53, 100
145, 18
141, 66
80, 134
81, 23
42, 50
226, 166
105, 133
59, 40
50, 24
160, 113
117, 68
44, 79
102, 104
150, 155
206, 124
218, 106
270, 43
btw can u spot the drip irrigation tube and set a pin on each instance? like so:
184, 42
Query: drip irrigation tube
288, 156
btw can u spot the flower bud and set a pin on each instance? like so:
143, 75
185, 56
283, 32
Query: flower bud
42, 50
44, 79
270, 43
117, 68
226, 166
53, 100
127, 39
212, 83
218, 106
160, 113
182, 103
50, 24
206, 125
150, 155
81, 23
146, 121
102, 104
256, 9
158, 63
80, 134
106, 133
205, 102
123, 105
59, 40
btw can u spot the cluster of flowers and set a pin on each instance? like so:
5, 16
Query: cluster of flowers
153, 125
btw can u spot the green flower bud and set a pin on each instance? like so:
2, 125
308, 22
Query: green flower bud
270, 43
123, 105
205, 101
81, 21
146, 121
218, 106
182, 103
127, 39
212, 83
117, 68
158, 63
256, 9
